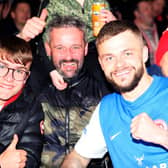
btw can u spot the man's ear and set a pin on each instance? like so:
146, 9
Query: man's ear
26, 78
86, 49
101, 63
145, 54
99, 60
136, 14
47, 48
12, 15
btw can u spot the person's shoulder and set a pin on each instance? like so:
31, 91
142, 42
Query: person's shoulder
48, 93
26, 96
154, 70
111, 96
163, 78
7, 23
164, 36
161, 81
165, 32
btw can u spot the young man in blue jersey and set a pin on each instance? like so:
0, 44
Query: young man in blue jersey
132, 123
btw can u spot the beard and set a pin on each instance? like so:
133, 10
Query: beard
63, 74
122, 89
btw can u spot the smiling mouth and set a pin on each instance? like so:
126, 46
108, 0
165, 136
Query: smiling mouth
121, 73
6, 86
68, 66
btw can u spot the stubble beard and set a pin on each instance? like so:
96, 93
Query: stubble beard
122, 89
63, 74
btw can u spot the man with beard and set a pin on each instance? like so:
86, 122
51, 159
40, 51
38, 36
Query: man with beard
132, 123
67, 111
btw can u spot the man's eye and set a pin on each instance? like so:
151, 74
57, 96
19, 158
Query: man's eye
127, 54
59, 48
2, 66
20, 71
109, 58
76, 47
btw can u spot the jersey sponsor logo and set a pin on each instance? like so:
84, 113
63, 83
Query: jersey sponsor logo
115, 135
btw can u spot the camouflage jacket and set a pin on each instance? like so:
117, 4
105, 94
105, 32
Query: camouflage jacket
77, 103
72, 7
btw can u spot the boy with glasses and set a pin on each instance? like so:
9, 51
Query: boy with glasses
20, 133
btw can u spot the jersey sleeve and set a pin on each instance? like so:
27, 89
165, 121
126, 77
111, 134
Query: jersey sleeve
92, 143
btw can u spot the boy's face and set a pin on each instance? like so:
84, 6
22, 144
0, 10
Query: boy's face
12, 80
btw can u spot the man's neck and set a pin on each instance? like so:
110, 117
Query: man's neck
143, 26
19, 26
142, 86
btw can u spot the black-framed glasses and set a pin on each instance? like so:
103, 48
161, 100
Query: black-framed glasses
17, 74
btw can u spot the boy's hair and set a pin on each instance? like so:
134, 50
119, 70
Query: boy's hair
114, 28
15, 50
65, 22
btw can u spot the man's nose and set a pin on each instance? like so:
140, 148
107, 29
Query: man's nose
119, 61
69, 54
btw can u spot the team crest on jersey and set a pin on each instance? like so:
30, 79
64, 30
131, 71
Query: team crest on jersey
139, 160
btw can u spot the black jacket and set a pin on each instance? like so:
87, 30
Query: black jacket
20, 118
66, 114
8, 28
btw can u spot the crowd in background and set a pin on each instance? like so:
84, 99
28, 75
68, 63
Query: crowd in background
13, 19
150, 17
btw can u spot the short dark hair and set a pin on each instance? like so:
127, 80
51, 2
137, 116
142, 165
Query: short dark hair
116, 27
136, 4
65, 22
16, 2
15, 50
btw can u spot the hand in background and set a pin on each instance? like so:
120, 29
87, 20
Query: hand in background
107, 16
33, 27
